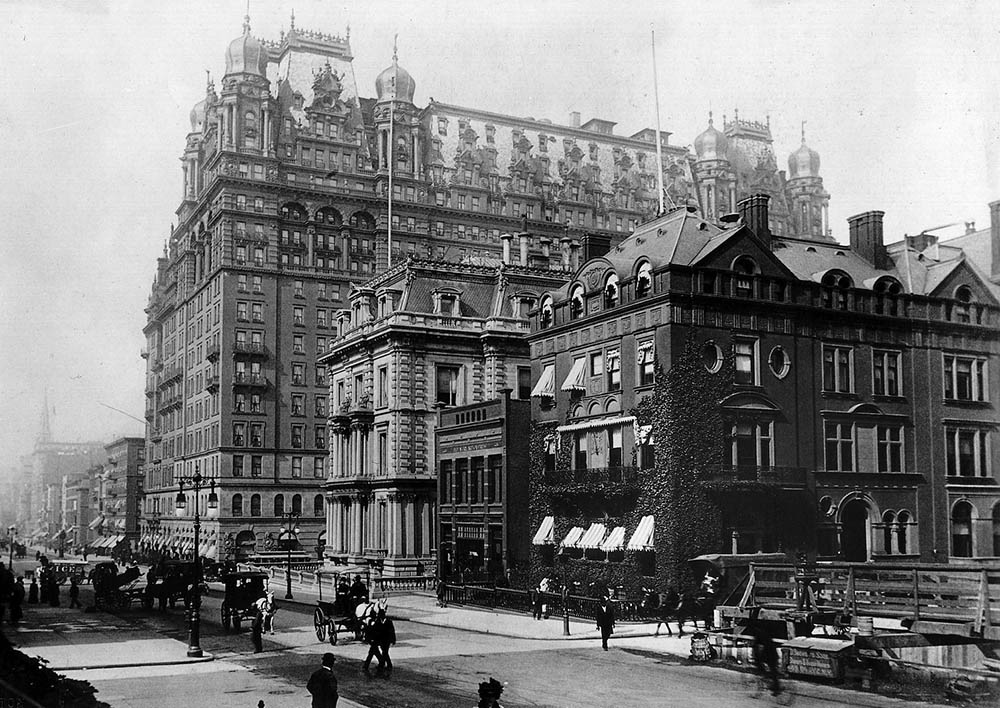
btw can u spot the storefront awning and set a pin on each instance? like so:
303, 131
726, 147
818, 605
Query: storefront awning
546, 386
598, 423
642, 539
544, 536
572, 537
96, 523
593, 538
576, 379
615, 540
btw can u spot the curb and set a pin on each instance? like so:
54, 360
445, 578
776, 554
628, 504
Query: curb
511, 635
131, 665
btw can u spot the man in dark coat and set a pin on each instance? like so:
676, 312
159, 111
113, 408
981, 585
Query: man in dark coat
385, 635
74, 594
359, 591
322, 684
16, 600
605, 617
257, 631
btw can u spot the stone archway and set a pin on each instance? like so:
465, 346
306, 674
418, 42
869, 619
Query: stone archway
855, 537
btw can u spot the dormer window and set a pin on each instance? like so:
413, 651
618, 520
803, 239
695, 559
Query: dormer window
644, 280
524, 306
836, 287
745, 268
963, 295
545, 317
611, 291
576, 302
886, 290
447, 303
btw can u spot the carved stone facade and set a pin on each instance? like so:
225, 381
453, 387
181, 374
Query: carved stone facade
426, 336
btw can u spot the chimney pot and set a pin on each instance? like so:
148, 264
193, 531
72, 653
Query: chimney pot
524, 248
506, 238
867, 237
754, 209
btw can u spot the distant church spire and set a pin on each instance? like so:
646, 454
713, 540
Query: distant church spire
45, 435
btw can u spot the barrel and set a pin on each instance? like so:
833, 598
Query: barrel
866, 626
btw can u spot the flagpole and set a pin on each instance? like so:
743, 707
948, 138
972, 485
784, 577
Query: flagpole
390, 148
659, 146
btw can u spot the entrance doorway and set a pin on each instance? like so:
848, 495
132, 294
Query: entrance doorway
854, 531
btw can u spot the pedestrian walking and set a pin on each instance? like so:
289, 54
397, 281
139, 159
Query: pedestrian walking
74, 594
385, 635
605, 616
33, 592
441, 589
50, 581
536, 603
257, 631
16, 601
489, 694
322, 684
374, 650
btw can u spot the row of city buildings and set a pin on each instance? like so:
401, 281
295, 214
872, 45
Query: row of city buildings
444, 338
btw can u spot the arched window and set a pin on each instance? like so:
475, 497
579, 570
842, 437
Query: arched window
329, 215
611, 291
961, 530
318, 505
293, 211
836, 285
362, 220
255, 505
745, 268
644, 280
888, 522
903, 524
250, 117
545, 318
887, 291
576, 302
963, 295
237, 505
279, 504
297, 504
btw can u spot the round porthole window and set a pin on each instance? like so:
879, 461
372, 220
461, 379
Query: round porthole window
779, 362
711, 357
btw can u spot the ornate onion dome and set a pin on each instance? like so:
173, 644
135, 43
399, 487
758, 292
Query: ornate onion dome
804, 162
246, 55
405, 86
711, 145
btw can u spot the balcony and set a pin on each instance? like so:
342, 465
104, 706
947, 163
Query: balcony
144, 352
212, 383
250, 348
155, 435
212, 352
250, 380
172, 373
156, 363
594, 476
782, 477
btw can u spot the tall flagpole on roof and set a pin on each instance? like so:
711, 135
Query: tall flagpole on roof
390, 148
659, 146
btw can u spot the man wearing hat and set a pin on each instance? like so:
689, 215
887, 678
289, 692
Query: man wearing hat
322, 684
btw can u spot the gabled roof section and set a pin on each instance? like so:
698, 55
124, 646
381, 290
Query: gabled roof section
741, 236
943, 278
809, 260
677, 237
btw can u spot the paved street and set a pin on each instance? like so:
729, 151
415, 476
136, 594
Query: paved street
435, 665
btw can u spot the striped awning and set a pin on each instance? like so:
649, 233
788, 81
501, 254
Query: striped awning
544, 535
593, 538
615, 540
642, 539
576, 380
96, 522
598, 423
546, 386
572, 537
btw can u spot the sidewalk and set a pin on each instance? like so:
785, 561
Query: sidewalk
70, 639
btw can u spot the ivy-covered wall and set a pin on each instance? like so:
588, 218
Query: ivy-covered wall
691, 518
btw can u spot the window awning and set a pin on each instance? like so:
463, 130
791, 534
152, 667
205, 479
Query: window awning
572, 537
598, 423
120, 524
615, 540
546, 386
544, 535
614, 357
593, 538
642, 539
96, 522
575, 381
644, 353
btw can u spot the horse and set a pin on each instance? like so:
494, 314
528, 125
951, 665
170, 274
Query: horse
365, 614
681, 607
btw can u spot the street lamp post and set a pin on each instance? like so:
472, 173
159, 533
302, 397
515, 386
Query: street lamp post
290, 532
11, 531
197, 482
563, 560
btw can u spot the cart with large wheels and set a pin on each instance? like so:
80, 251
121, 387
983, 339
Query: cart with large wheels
332, 618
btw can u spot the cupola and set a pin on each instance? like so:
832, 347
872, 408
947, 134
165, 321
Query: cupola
804, 162
711, 144
246, 55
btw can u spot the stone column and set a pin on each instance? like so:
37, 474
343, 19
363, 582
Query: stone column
356, 543
331, 513
410, 504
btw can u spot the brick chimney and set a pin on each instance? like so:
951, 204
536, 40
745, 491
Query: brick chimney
866, 237
574, 119
753, 209
995, 237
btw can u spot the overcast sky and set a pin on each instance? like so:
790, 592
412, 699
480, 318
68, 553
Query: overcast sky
900, 100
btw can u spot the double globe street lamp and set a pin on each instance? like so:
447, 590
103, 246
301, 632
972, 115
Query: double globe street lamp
289, 534
197, 483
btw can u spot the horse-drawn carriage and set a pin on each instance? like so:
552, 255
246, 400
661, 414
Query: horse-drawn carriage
114, 590
169, 582
62, 571
243, 591
346, 613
